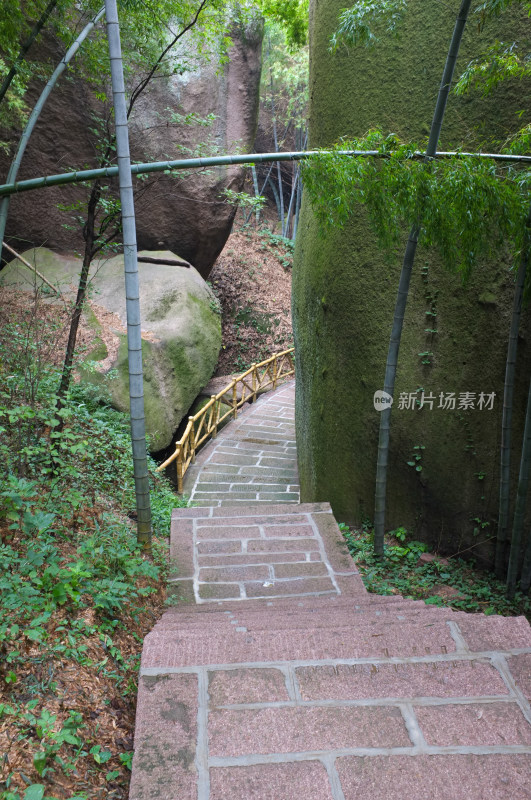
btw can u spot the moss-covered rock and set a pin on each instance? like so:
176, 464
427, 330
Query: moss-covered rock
181, 331
344, 294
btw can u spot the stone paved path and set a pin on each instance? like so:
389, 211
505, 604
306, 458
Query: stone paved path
253, 459
277, 676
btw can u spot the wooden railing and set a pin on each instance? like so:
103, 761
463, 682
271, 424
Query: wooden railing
242, 389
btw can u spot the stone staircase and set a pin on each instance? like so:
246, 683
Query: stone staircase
276, 674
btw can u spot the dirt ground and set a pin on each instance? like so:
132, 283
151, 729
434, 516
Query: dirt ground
252, 280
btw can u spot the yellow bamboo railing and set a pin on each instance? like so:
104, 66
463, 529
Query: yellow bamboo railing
242, 389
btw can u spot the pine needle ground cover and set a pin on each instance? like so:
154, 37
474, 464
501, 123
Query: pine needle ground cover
77, 595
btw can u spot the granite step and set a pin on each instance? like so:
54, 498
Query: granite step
330, 693
173, 647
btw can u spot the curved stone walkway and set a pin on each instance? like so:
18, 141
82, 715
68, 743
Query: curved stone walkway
253, 459
277, 676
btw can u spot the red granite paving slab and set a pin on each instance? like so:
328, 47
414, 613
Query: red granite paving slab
289, 730
230, 532
351, 585
227, 449
241, 459
307, 569
182, 546
232, 517
287, 530
306, 779
189, 513
281, 545
260, 685
261, 473
220, 591
400, 640
335, 545
273, 510
520, 667
237, 573
455, 777
495, 633
230, 494
438, 679
310, 612
165, 738
274, 461
265, 445
180, 592
220, 560
278, 587
474, 724
328, 614
215, 469
220, 547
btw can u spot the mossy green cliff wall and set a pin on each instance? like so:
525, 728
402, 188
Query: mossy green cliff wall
344, 294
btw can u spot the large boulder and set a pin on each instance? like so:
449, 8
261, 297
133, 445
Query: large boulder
186, 215
344, 293
181, 330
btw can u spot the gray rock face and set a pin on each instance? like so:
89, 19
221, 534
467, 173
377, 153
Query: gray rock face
181, 331
182, 214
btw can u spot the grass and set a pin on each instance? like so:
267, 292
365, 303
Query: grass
442, 582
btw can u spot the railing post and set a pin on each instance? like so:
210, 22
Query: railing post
275, 373
192, 439
234, 400
255, 381
179, 466
215, 412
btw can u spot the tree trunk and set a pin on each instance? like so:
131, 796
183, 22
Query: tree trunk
510, 369
401, 301
81, 294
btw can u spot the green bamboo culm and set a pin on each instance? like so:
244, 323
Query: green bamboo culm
132, 292
508, 393
81, 176
515, 557
403, 287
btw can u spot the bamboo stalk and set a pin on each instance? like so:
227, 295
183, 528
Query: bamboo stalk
403, 287
508, 393
80, 176
520, 505
132, 291
32, 268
